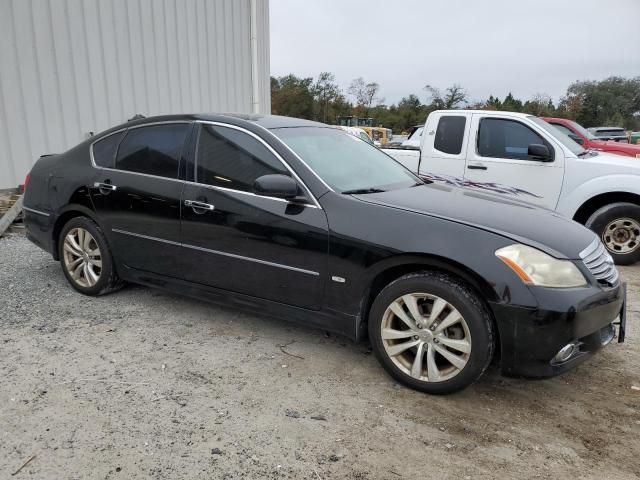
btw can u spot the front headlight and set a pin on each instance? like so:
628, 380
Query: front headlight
537, 268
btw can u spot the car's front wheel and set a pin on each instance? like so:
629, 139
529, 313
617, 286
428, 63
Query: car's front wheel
431, 332
618, 226
86, 259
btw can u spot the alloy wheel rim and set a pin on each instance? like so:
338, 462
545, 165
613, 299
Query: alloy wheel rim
82, 257
426, 337
622, 236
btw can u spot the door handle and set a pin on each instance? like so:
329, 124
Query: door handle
105, 188
196, 206
476, 167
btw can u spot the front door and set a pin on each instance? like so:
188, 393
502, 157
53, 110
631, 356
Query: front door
235, 240
499, 161
136, 195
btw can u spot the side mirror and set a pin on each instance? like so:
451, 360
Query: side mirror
280, 186
539, 152
576, 138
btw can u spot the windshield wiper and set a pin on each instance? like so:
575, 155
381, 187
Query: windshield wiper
360, 191
585, 152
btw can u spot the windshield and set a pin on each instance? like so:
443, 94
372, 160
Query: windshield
345, 162
563, 138
582, 131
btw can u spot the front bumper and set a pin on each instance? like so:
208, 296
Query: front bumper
530, 338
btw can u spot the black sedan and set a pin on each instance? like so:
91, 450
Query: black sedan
299, 220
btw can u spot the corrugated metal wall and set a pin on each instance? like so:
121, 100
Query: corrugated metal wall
68, 67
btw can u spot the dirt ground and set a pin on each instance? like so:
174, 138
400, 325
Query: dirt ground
145, 384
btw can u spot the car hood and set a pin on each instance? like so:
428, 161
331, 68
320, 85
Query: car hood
609, 159
617, 146
520, 221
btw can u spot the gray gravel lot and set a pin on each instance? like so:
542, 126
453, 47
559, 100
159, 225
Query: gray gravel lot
145, 384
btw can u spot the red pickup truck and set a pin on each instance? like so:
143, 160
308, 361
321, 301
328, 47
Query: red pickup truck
581, 135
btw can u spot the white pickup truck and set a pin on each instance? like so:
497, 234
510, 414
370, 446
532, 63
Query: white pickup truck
524, 156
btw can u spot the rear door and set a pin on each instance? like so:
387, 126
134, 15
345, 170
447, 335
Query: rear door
498, 161
235, 240
444, 145
136, 194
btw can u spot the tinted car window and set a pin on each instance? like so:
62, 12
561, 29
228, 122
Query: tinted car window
154, 150
104, 151
232, 159
449, 134
506, 139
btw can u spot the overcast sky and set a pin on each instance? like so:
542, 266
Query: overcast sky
487, 46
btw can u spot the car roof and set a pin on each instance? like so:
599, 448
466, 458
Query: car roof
265, 121
487, 112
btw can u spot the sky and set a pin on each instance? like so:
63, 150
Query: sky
490, 47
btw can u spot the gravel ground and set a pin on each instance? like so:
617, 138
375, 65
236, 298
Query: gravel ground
145, 384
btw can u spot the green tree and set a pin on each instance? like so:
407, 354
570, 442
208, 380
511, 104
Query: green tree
454, 97
325, 92
613, 101
292, 96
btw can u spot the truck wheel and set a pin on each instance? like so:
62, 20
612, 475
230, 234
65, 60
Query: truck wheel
618, 226
431, 332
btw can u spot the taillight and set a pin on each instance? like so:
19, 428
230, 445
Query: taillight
26, 181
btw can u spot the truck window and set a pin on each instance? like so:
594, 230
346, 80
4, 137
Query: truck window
449, 134
563, 129
500, 138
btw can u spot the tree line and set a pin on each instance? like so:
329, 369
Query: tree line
614, 101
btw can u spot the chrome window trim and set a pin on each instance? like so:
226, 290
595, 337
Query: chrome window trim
214, 187
250, 194
151, 124
298, 156
268, 147
217, 252
38, 212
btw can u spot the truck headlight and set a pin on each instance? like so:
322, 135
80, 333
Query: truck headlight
537, 268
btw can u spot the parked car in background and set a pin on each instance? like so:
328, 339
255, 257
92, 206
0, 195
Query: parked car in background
589, 141
295, 219
357, 132
614, 134
523, 156
415, 137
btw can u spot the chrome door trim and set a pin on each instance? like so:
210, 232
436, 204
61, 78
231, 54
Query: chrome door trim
273, 152
251, 194
297, 156
146, 237
37, 212
217, 252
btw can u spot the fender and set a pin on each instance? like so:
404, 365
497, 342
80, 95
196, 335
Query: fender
625, 183
416, 261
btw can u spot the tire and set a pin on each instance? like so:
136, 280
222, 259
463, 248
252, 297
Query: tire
431, 290
90, 249
618, 227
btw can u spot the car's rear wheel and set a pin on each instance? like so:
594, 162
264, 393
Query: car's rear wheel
618, 226
86, 259
431, 332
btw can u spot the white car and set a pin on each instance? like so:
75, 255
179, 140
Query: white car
522, 155
357, 132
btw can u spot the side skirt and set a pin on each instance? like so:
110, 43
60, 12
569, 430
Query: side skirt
335, 322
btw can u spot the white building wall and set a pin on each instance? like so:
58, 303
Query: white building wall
69, 67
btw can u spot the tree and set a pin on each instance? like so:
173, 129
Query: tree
540, 105
325, 91
612, 101
454, 97
291, 96
366, 94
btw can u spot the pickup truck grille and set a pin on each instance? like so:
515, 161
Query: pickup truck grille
600, 264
